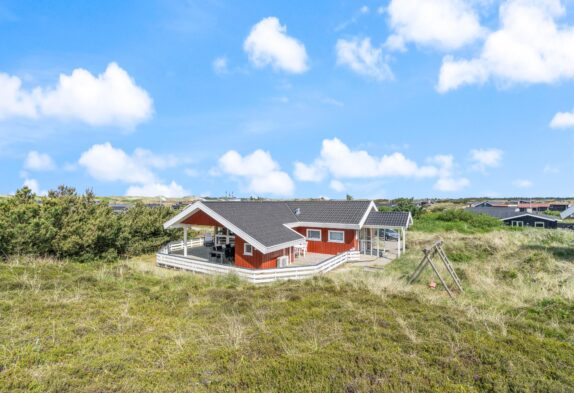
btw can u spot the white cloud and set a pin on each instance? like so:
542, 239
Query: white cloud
111, 98
339, 161
449, 184
342, 162
13, 100
364, 59
172, 190
304, 172
337, 185
107, 163
34, 186
442, 24
563, 120
364, 9
260, 170
486, 158
521, 183
220, 65
268, 44
39, 162
529, 47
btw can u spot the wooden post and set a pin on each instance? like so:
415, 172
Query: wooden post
185, 241
399, 244
404, 239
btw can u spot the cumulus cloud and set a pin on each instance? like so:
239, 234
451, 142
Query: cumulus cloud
339, 161
442, 24
269, 45
449, 184
337, 185
263, 174
39, 162
111, 98
530, 46
522, 183
362, 58
34, 186
485, 158
563, 120
171, 190
106, 163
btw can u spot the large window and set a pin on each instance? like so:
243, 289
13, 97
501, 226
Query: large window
247, 249
314, 234
539, 224
336, 237
517, 223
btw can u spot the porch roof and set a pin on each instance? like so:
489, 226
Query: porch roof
389, 219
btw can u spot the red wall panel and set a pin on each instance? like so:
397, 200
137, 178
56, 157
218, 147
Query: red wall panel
326, 247
200, 218
257, 260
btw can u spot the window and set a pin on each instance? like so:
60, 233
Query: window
314, 234
539, 224
336, 236
247, 249
517, 223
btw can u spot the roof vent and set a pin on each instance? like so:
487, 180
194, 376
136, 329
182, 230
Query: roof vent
297, 211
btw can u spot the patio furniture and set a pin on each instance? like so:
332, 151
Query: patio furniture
208, 240
301, 249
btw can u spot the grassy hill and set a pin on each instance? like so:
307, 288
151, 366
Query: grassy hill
129, 326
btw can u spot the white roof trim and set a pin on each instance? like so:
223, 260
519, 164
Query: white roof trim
531, 215
372, 207
175, 222
321, 225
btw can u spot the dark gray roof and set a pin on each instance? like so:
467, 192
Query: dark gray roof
504, 213
261, 220
388, 219
329, 212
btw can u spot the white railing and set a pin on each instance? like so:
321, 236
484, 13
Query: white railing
256, 275
178, 245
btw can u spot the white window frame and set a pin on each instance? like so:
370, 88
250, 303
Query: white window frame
245, 252
336, 241
536, 224
519, 224
314, 239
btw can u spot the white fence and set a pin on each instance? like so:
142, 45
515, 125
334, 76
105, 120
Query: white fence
178, 245
256, 275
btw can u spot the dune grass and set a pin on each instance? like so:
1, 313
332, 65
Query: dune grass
130, 326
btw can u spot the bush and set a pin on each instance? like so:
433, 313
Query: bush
67, 225
456, 220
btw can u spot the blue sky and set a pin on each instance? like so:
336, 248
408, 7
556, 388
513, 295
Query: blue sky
446, 98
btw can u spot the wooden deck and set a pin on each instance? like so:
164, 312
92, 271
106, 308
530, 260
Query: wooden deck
201, 253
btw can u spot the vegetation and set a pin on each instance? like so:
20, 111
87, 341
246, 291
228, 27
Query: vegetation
129, 326
404, 205
457, 220
67, 225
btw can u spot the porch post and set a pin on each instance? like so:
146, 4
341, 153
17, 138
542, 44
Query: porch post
185, 241
399, 244
404, 239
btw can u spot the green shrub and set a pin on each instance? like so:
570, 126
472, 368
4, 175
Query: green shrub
67, 225
456, 220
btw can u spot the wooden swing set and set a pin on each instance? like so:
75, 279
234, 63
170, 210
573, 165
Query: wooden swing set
430, 253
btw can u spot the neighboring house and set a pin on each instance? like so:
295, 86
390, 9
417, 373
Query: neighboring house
513, 217
490, 204
568, 213
275, 234
559, 207
533, 207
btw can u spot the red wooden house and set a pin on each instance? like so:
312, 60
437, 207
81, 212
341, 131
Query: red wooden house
274, 234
